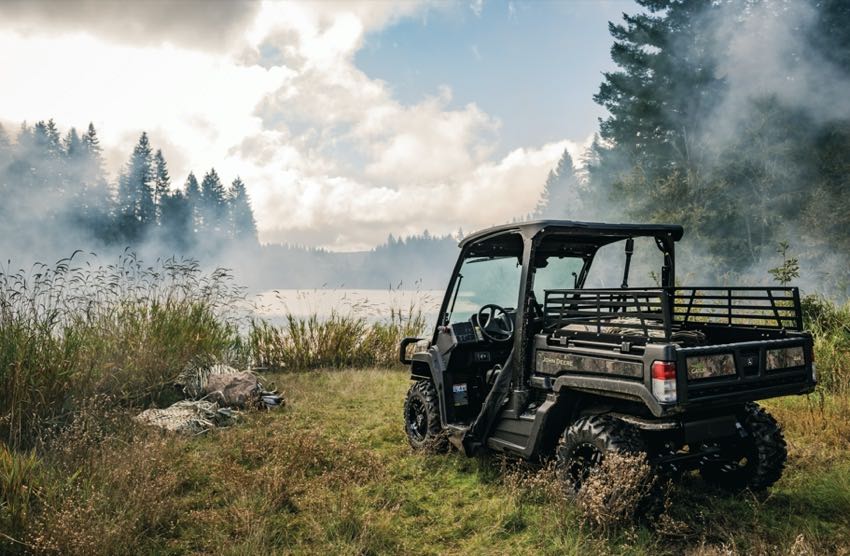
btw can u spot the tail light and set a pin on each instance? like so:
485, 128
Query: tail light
664, 381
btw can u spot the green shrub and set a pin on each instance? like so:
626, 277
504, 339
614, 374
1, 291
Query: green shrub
829, 322
73, 331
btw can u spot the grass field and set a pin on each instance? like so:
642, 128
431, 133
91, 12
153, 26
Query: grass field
332, 474
83, 349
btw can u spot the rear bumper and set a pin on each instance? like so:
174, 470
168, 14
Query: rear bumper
751, 376
737, 397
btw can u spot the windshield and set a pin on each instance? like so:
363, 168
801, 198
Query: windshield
485, 280
559, 274
608, 265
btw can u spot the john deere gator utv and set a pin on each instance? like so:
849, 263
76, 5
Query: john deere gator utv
542, 349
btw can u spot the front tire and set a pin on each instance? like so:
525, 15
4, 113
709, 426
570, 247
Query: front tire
587, 442
422, 418
755, 461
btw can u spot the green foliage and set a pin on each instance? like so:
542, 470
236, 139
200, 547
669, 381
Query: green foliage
213, 207
738, 176
789, 269
56, 195
162, 182
830, 324
136, 192
19, 485
241, 217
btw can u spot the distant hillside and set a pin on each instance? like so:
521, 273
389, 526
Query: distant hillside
417, 262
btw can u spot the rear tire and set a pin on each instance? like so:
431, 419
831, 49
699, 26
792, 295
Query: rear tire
757, 461
422, 418
586, 442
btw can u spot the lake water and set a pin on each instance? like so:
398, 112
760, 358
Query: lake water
373, 305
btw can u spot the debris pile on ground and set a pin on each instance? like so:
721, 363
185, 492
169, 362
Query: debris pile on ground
214, 392
239, 389
187, 416
195, 377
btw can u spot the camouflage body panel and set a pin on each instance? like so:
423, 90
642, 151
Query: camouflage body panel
785, 358
710, 366
553, 363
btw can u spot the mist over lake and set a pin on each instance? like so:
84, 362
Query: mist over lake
371, 304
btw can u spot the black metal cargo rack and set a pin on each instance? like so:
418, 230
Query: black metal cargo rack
659, 312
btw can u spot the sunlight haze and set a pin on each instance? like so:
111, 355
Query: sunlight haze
347, 121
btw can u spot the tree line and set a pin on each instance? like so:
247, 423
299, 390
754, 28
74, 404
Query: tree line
56, 194
741, 176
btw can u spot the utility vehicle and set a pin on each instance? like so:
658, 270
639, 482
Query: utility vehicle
542, 349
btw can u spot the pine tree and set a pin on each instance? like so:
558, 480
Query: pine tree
665, 88
243, 225
95, 190
45, 177
91, 143
561, 197
93, 155
193, 201
779, 171
72, 144
136, 205
72, 152
213, 205
53, 141
651, 161
176, 221
162, 182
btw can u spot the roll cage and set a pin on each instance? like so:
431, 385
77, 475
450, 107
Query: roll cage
533, 243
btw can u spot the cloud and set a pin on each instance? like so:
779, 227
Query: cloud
362, 213
330, 156
188, 23
195, 100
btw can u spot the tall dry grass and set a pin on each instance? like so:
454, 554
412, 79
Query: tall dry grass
77, 330
340, 340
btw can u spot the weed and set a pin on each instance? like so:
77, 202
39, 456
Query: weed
76, 330
614, 491
340, 340
20, 480
829, 322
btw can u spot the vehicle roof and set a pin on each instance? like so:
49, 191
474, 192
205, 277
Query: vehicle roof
586, 229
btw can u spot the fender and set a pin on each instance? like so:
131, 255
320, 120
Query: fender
428, 365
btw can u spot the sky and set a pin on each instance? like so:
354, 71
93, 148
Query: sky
348, 121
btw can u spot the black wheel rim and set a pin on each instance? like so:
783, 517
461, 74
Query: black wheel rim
417, 419
583, 459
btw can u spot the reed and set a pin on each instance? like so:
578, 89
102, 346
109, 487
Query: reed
340, 340
77, 330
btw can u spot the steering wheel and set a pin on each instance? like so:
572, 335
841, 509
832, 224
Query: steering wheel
499, 327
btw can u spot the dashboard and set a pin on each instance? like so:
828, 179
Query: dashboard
467, 333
